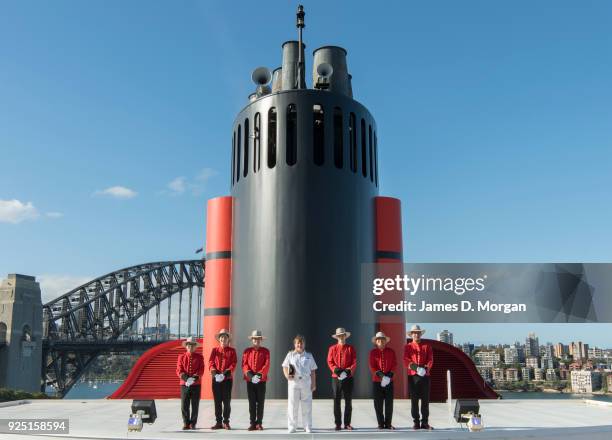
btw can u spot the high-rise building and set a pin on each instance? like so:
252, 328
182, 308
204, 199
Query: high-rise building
467, 348
551, 376
520, 349
162, 330
585, 381
527, 373
446, 337
532, 362
538, 374
560, 350
511, 356
487, 358
512, 375
574, 350
532, 345
595, 353
548, 350
579, 350
486, 373
547, 363
498, 374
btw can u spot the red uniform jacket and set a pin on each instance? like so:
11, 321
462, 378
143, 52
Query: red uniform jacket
256, 361
222, 360
341, 356
191, 364
420, 354
382, 360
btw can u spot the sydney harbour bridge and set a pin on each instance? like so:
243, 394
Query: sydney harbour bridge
104, 315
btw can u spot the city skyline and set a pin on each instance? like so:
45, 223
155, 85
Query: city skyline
593, 334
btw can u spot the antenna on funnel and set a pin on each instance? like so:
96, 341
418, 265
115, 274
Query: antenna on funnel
301, 81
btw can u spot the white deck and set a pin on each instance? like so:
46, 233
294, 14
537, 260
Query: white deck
509, 419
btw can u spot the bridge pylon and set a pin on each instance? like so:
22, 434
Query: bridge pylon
20, 333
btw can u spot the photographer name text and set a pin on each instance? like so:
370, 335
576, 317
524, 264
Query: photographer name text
458, 286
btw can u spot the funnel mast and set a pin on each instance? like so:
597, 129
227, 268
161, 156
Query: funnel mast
301, 82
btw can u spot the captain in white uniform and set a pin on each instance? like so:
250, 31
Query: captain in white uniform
300, 367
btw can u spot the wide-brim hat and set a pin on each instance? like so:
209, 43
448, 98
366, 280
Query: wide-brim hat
257, 334
380, 335
341, 331
222, 332
191, 341
415, 328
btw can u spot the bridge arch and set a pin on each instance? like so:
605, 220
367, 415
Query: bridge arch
97, 316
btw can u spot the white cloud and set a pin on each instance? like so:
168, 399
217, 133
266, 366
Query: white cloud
118, 192
178, 185
52, 286
206, 174
196, 186
201, 180
15, 211
54, 214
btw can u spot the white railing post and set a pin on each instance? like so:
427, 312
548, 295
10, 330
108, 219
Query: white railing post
449, 393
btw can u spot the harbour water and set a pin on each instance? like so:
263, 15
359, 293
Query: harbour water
555, 396
102, 389
91, 390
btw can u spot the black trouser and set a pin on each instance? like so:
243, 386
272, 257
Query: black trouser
343, 388
383, 396
190, 396
419, 389
222, 392
256, 393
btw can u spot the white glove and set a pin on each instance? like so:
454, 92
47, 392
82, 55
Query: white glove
255, 379
219, 377
342, 375
385, 381
421, 371
189, 382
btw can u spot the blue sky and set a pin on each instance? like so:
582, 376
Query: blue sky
494, 124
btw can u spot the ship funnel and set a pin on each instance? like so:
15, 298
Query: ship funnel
261, 76
290, 65
335, 57
277, 80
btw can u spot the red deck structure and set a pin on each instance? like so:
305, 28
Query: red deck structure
153, 376
466, 382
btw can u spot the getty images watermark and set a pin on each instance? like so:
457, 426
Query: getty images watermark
34, 426
487, 292
408, 285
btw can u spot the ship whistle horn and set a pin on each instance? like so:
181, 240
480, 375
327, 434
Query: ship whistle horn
261, 77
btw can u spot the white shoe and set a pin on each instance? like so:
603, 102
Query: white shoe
291, 430
308, 429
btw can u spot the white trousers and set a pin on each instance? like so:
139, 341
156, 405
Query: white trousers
299, 394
